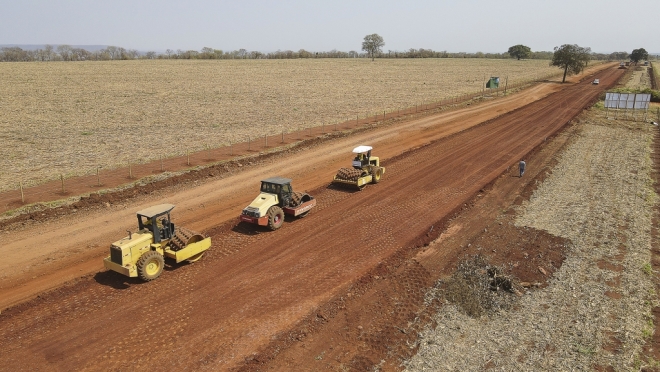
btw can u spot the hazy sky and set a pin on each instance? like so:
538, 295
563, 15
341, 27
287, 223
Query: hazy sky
454, 26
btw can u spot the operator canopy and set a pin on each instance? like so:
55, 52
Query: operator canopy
156, 210
277, 180
363, 148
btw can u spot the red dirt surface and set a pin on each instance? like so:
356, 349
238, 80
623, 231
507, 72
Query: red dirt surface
37, 257
323, 291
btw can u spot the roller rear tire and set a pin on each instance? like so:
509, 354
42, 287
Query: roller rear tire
150, 266
275, 217
376, 175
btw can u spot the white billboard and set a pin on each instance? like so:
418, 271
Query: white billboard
632, 101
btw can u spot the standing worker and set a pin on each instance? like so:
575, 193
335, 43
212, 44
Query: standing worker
522, 165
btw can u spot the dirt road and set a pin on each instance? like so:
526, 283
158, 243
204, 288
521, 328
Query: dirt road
254, 284
38, 252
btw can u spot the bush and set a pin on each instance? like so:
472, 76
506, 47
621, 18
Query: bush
655, 94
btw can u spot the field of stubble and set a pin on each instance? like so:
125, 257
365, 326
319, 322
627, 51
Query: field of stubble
69, 118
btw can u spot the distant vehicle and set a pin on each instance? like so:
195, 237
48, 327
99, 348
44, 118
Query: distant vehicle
596, 82
646, 63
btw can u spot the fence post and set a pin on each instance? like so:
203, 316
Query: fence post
161, 163
62, 179
98, 176
130, 170
249, 143
266, 140
188, 156
282, 135
20, 185
231, 149
483, 87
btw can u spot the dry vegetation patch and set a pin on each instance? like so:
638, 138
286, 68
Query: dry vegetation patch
639, 78
69, 118
596, 309
479, 288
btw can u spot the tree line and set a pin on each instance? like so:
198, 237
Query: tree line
111, 53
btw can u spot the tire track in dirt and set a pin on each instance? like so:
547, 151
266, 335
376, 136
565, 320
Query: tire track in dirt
218, 311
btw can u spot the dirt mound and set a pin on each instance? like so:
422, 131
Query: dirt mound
479, 288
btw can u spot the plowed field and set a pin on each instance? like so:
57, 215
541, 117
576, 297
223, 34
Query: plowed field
255, 290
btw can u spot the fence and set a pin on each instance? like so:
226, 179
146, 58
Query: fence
655, 76
61, 186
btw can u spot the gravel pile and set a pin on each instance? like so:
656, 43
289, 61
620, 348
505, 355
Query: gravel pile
596, 310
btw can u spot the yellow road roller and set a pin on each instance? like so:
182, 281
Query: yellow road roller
142, 253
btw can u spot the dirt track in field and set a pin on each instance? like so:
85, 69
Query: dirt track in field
253, 285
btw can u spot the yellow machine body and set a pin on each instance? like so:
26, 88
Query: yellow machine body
276, 199
263, 202
158, 236
365, 169
125, 253
191, 249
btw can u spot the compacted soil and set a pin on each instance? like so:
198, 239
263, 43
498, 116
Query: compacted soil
343, 288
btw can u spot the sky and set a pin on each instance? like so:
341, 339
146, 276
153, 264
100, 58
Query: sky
455, 26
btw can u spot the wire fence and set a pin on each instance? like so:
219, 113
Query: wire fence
655, 78
61, 186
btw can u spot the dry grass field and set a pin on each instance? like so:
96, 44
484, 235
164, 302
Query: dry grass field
640, 78
597, 312
69, 118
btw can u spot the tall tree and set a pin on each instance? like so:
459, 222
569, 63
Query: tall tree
372, 44
520, 51
639, 55
64, 51
48, 52
572, 58
78, 54
113, 52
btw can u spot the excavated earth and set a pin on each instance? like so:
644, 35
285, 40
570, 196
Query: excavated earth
342, 289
